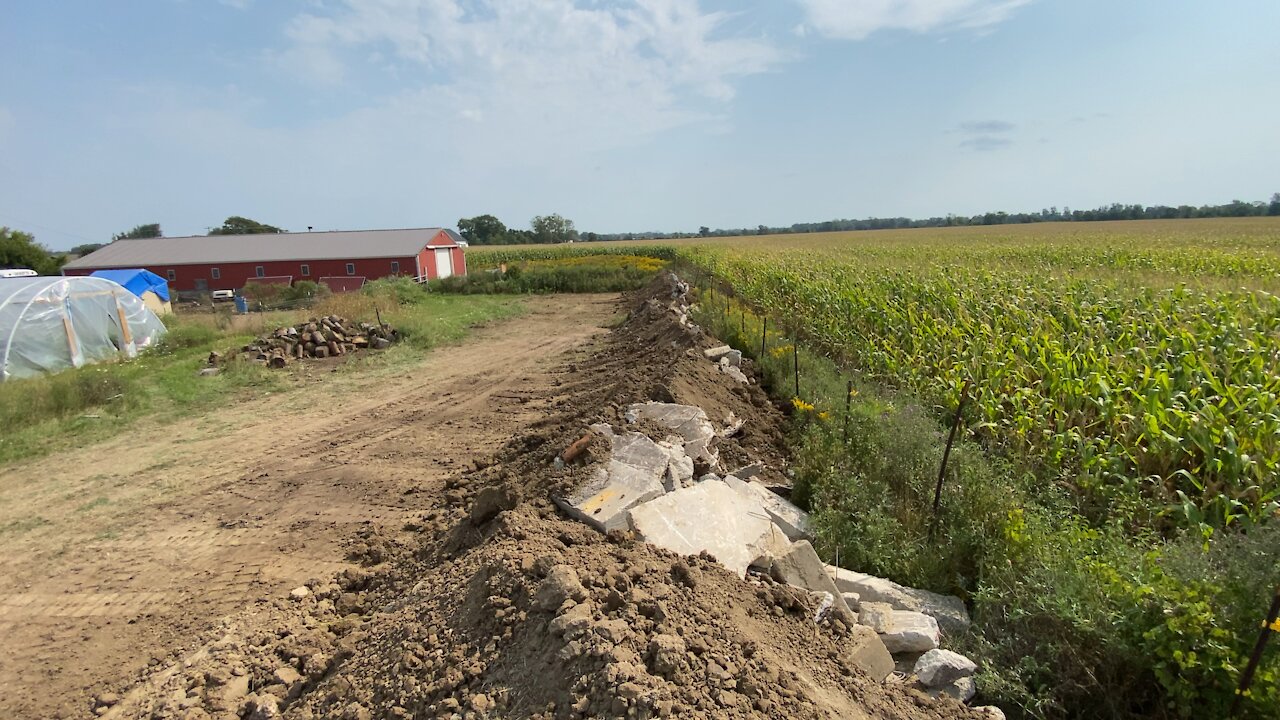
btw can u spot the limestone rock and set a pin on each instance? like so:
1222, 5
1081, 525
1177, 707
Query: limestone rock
801, 567
634, 474
689, 421
912, 632
709, 516
865, 652
963, 690
877, 616
792, 520
949, 611
943, 667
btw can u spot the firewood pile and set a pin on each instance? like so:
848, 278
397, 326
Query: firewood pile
323, 337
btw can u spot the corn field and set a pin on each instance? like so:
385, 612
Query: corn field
1122, 364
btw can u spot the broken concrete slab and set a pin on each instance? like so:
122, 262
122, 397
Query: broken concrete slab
865, 651
634, 474
940, 667
949, 611
688, 420
911, 632
714, 354
801, 567
735, 373
709, 516
679, 467
792, 520
877, 616
963, 690
749, 471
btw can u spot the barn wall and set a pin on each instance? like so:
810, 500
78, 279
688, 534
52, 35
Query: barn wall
233, 276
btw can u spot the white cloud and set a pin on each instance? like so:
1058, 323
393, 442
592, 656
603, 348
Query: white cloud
856, 19
639, 66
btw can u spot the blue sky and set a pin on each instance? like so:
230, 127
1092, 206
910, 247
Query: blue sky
624, 114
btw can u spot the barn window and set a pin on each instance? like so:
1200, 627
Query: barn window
395, 268
173, 275
215, 273
260, 271
351, 268
306, 270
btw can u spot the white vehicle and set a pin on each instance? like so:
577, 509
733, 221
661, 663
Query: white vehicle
223, 294
17, 272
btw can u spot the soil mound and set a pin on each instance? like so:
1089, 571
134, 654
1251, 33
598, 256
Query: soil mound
502, 606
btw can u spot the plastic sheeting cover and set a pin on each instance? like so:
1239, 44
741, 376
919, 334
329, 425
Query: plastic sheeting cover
136, 281
49, 324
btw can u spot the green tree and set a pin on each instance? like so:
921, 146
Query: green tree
552, 229
142, 231
20, 250
82, 250
236, 225
1274, 207
704, 231
483, 230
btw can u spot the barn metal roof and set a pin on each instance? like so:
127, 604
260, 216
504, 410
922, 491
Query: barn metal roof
202, 249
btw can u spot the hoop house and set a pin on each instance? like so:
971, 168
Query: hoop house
49, 324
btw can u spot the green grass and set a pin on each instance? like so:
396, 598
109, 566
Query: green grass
566, 273
94, 403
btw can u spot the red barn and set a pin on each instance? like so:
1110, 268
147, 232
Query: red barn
227, 262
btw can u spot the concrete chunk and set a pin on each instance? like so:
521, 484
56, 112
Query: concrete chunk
634, 474
948, 610
943, 667
963, 690
712, 517
912, 632
689, 421
790, 519
800, 566
748, 472
714, 354
865, 652
877, 616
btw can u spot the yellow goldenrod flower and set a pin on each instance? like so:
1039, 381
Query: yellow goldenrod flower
801, 405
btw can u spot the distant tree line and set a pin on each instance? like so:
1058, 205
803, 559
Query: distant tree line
1117, 211
543, 229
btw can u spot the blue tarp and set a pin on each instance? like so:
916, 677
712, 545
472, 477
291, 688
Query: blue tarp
137, 281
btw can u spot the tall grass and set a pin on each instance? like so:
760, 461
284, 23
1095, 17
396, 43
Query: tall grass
1071, 619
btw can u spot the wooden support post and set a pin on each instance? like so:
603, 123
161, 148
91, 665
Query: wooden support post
125, 332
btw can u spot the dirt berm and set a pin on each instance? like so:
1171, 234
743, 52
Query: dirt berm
461, 621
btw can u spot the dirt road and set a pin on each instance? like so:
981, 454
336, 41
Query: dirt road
119, 556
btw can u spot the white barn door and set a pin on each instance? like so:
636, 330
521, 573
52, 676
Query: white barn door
444, 262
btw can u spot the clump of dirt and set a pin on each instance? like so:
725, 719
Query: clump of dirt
507, 608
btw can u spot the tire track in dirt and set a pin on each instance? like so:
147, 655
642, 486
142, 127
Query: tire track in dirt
219, 512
